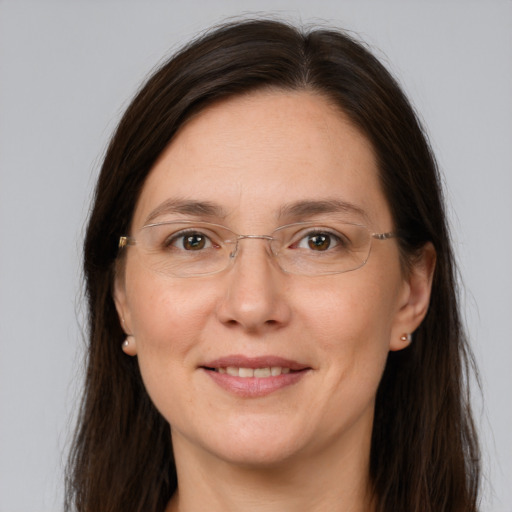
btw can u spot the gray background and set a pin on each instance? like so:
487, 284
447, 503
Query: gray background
67, 70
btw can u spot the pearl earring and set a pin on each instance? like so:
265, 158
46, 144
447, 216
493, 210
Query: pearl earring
127, 342
405, 337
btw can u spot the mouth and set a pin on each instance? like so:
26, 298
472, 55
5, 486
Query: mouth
260, 373
255, 377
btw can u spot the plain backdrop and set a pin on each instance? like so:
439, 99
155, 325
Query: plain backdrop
68, 69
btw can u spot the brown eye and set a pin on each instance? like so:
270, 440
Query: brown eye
188, 241
194, 242
319, 242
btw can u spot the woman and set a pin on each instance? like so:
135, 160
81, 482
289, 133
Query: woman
273, 310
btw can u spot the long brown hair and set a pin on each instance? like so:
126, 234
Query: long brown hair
424, 454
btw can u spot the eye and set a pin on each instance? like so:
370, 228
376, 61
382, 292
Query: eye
318, 241
189, 241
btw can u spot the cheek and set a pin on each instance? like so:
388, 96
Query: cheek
352, 308
167, 316
351, 323
358, 346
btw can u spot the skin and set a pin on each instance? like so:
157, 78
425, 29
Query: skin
306, 446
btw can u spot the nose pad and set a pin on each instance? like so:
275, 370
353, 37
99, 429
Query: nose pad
236, 249
234, 252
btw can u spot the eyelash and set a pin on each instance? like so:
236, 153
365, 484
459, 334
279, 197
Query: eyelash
337, 238
180, 238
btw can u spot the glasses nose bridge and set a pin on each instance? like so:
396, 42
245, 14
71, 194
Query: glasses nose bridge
255, 237
268, 238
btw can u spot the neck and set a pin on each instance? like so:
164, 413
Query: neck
326, 482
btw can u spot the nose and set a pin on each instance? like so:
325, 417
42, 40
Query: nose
254, 297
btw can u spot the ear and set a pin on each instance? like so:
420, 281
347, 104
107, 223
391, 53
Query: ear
123, 311
415, 299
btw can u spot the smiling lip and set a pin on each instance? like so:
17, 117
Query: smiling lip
252, 377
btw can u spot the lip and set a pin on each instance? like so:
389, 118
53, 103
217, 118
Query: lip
241, 361
253, 387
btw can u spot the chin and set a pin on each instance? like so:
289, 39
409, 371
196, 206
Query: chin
263, 444
266, 454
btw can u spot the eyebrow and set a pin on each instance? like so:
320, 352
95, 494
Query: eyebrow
296, 210
309, 208
186, 207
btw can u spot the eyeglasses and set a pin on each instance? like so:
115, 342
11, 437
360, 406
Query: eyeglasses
191, 249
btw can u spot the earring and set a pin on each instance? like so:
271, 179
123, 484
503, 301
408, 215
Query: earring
406, 337
126, 343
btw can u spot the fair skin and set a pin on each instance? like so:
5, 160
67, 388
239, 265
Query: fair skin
303, 446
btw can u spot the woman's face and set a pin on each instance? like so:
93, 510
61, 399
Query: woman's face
252, 164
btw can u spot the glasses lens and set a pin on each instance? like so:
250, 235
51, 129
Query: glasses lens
186, 249
324, 247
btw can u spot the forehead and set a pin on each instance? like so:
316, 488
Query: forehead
255, 154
